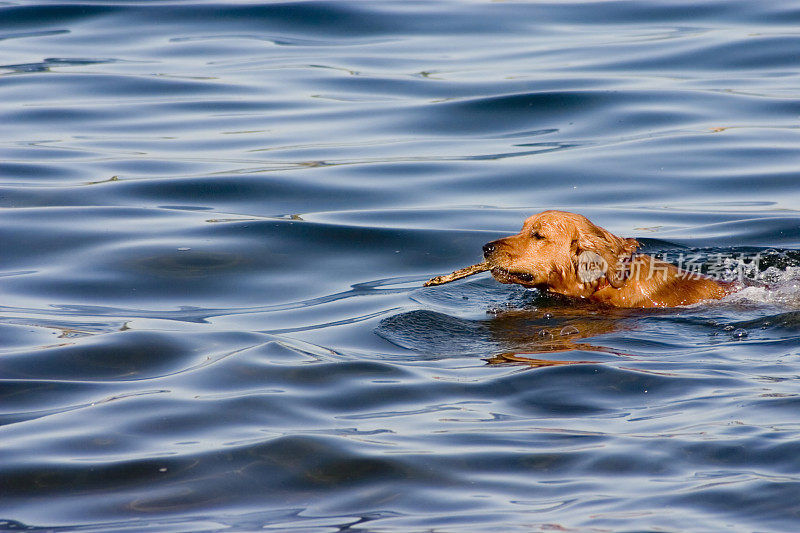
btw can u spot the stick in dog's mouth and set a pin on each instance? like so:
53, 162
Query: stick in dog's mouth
458, 274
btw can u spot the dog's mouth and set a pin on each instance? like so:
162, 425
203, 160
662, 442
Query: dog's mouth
505, 276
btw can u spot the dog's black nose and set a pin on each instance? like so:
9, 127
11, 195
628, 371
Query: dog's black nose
488, 248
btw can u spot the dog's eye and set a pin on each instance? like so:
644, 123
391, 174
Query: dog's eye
536, 235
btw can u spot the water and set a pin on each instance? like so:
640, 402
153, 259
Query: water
216, 218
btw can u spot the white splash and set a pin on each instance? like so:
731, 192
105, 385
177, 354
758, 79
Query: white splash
773, 286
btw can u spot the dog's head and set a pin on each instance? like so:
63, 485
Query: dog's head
562, 252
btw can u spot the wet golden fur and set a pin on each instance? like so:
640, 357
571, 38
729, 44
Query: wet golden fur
547, 253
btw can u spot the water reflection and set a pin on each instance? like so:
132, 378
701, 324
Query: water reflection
538, 333
509, 335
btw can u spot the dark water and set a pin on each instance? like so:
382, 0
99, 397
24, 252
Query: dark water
215, 220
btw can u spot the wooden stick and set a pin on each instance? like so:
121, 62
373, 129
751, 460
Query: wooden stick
458, 274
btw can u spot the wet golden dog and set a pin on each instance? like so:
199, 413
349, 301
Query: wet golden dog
567, 254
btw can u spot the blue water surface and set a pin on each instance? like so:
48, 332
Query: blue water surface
216, 218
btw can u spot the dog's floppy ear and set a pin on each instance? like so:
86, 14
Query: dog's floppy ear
599, 253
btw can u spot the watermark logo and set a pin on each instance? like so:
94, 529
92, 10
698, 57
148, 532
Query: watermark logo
591, 266
719, 266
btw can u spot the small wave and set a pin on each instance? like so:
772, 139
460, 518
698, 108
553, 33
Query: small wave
770, 277
781, 288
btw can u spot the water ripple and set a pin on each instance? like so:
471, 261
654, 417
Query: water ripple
216, 220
